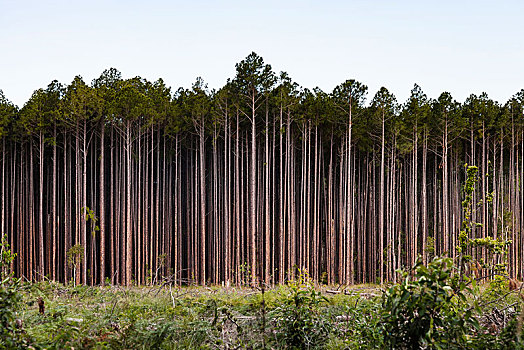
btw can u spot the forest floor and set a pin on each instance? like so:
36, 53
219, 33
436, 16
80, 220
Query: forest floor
177, 317
57, 316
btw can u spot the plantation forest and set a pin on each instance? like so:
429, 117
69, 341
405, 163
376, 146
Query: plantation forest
127, 180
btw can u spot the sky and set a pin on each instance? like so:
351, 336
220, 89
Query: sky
462, 47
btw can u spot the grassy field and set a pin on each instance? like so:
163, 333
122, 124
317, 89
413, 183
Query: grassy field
194, 317
299, 315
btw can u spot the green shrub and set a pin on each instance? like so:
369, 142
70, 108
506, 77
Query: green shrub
10, 298
299, 321
425, 311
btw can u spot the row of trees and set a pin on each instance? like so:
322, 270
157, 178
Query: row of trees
251, 182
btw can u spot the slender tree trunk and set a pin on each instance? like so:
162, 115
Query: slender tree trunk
252, 193
267, 260
424, 194
129, 241
53, 210
445, 196
202, 204
381, 204
102, 206
41, 210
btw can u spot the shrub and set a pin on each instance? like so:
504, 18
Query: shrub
9, 300
425, 311
299, 321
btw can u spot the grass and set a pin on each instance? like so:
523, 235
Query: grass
299, 316
151, 317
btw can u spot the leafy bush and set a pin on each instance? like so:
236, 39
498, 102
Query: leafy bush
9, 300
425, 311
299, 321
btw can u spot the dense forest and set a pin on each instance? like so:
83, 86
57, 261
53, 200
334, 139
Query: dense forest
251, 182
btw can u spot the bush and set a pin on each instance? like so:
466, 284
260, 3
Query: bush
425, 311
9, 300
299, 321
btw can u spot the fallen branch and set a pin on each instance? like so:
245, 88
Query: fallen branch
502, 297
333, 291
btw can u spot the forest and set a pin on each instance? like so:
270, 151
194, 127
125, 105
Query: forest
126, 181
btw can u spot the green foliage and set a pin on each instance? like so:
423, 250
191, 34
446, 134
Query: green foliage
426, 311
359, 326
430, 247
7, 114
244, 274
298, 316
75, 256
6, 260
495, 248
90, 216
11, 337
431, 309
253, 76
299, 322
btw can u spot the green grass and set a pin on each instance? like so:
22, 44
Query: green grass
152, 317
113, 317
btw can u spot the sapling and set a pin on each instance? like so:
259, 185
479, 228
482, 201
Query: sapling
496, 248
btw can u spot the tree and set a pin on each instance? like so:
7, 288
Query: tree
79, 110
253, 79
8, 114
197, 107
384, 106
104, 86
447, 125
416, 112
348, 98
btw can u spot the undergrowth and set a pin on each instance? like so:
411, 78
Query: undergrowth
424, 311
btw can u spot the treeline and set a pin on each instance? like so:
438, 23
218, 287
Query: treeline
251, 182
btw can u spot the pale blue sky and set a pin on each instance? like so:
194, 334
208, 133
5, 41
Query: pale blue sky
459, 46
